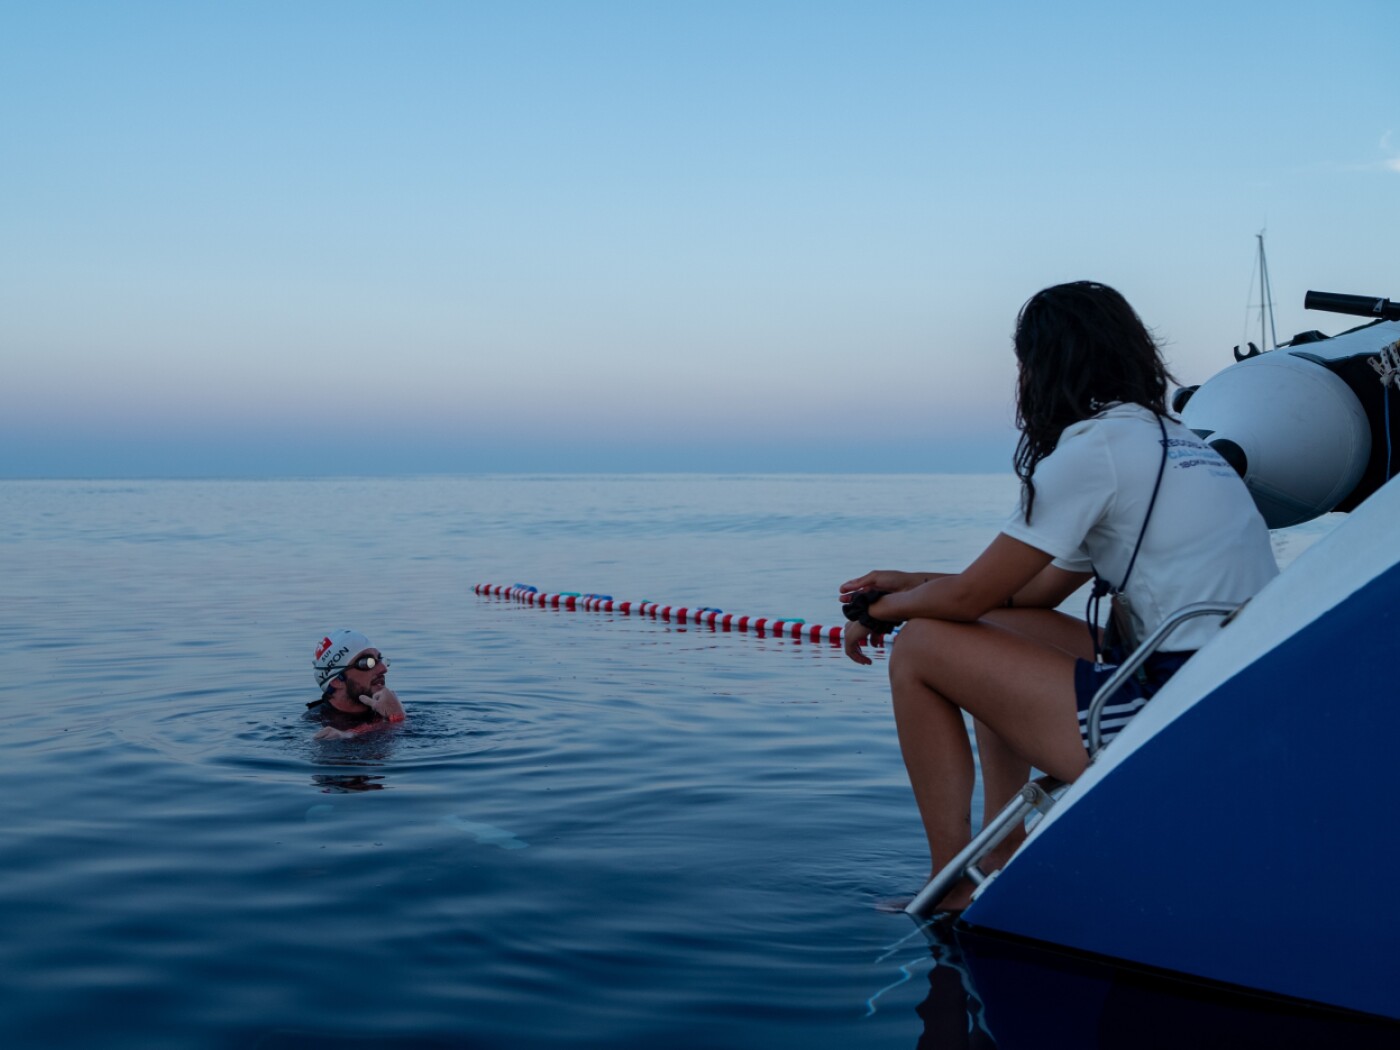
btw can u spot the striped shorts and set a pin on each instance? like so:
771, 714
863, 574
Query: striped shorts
1130, 697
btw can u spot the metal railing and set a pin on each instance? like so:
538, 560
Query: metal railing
1034, 796
1150, 645
1038, 795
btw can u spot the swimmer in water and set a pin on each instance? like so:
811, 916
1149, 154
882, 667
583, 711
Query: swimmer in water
354, 698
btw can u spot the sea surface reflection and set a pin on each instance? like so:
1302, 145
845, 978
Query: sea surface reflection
593, 830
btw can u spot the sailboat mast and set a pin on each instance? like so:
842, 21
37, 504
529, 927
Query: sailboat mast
1266, 296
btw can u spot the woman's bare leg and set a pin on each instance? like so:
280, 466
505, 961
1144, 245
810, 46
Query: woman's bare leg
938, 758
1004, 772
1021, 688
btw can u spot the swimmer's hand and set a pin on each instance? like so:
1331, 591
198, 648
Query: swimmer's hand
332, 733
385, 704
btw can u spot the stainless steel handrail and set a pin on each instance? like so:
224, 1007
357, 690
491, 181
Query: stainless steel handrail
1149, 646
1037, 795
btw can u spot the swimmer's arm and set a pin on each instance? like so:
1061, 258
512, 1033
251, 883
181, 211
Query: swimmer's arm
384, 703
331, 733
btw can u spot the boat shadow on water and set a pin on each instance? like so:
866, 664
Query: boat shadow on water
992, 991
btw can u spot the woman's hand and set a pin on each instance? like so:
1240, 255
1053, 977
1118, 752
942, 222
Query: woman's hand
887, 580
854, 641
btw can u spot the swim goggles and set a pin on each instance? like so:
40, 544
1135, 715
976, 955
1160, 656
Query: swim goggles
364, 663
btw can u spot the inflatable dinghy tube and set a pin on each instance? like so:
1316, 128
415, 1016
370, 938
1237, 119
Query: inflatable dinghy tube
1291, 428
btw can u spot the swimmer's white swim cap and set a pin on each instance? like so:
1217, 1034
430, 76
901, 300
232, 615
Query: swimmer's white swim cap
334, 653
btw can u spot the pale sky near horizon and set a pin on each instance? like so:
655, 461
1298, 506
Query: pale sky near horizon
412, 237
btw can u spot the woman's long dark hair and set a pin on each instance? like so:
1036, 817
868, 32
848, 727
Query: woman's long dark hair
1080, 346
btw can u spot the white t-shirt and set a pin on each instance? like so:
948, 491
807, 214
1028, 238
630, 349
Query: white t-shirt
1206, 540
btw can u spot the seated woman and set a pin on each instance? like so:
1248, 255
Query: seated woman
1111, 487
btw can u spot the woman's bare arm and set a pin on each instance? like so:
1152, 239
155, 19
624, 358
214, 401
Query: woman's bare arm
1007, 569
1049, 588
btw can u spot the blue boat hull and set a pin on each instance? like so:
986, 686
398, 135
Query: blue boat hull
1242, 834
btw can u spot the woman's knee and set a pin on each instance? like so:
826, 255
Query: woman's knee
919, 648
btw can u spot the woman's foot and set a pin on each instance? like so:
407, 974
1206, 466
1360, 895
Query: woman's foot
958, 898
892, 905
897, 905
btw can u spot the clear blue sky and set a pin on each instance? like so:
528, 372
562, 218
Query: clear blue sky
405, 237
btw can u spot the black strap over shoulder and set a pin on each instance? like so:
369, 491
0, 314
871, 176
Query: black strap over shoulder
1156, 488
1101, 586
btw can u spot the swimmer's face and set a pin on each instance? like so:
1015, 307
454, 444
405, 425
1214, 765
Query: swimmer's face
365, 681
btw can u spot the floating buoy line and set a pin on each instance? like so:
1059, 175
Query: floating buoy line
706, 616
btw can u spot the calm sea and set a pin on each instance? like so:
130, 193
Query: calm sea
593, 830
